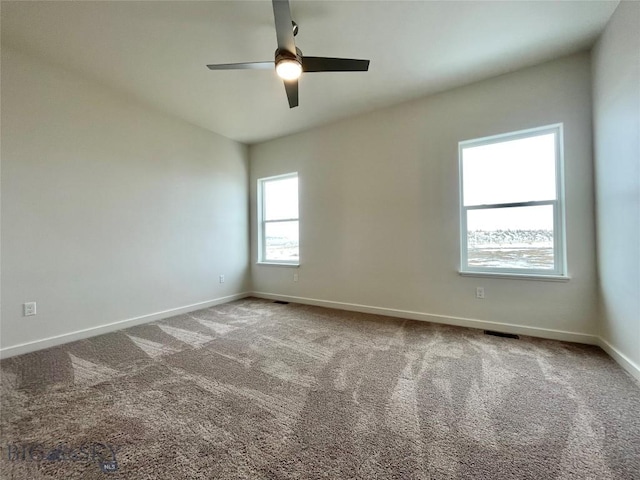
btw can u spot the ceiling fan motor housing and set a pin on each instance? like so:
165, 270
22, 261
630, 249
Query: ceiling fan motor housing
286, 55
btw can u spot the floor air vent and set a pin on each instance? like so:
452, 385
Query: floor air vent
281, 302
501, 334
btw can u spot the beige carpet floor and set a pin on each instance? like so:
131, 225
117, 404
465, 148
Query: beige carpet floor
257, 390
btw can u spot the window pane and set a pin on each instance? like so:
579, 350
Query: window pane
281, 199
521, 170
518, 237
281, 241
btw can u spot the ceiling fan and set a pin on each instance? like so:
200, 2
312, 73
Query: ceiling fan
289, 62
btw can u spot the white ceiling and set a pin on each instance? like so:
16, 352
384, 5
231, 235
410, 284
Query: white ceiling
156, 51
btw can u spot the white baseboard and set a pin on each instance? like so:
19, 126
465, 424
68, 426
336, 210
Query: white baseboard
111, 327
445, 319
625, 362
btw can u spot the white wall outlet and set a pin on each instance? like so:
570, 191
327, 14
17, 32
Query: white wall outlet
295, 276
29, 309
479, 292
221, 278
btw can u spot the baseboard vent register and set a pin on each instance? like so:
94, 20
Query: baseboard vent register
501, 334
281, 302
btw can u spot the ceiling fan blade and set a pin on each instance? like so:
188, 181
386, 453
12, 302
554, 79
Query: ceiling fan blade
326, 64
291, 86
243, 66
284, 26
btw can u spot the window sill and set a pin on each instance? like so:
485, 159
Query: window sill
275, 264
517, 276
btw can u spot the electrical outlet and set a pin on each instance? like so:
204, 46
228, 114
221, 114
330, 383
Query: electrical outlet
479, 292
295, 276
221, 278
29, 309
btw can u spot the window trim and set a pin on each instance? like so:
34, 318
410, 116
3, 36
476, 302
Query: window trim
262, 253
559, 218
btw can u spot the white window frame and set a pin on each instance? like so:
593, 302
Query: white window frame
559, 271
262, 251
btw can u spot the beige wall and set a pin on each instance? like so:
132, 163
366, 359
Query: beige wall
109, 210
616, 93
379, 204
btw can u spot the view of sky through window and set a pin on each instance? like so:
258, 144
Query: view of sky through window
281, 199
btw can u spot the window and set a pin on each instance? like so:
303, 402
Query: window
278, 220
512, 211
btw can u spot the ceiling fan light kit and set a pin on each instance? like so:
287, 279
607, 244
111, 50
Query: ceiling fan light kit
289, 67
289, 62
